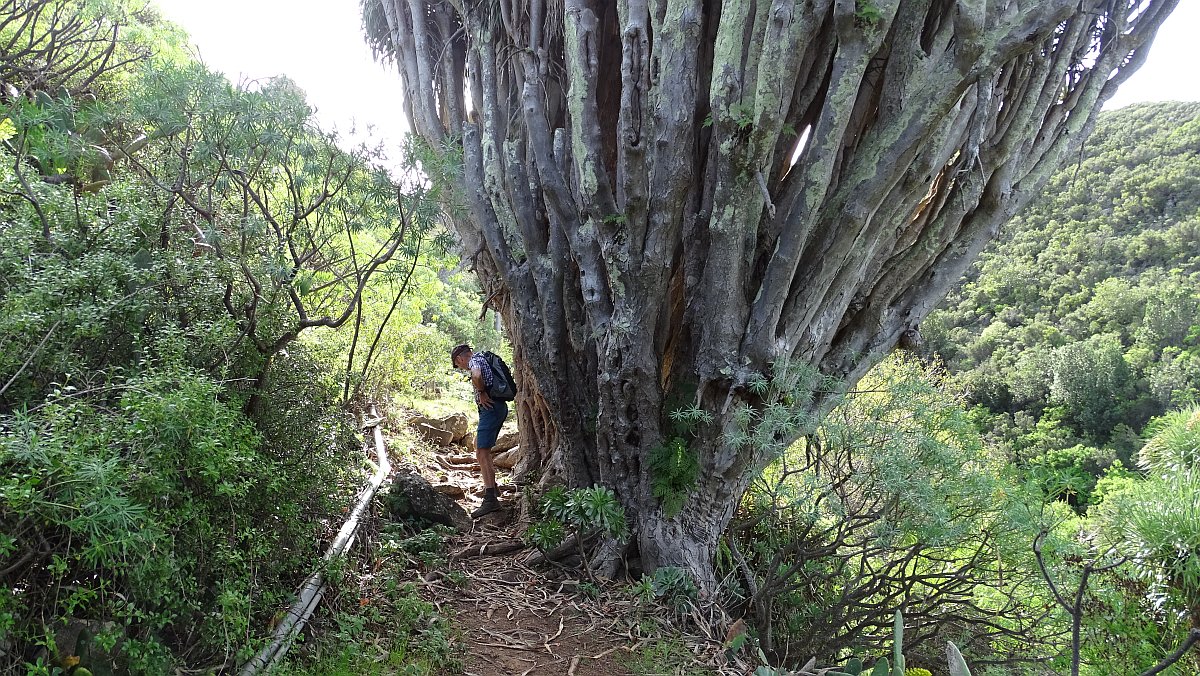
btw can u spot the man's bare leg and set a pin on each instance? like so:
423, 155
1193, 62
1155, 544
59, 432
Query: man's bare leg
487, 470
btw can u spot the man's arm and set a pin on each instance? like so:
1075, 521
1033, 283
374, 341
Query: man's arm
481, 394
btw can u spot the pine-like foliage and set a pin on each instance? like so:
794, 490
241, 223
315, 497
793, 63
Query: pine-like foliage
674, 469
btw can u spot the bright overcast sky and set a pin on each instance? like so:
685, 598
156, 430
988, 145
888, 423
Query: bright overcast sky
319, 45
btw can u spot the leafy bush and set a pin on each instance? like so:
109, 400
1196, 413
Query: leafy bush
418, 640
170, 449
545, 535
582, 512
675, 588
893, 502
675, 469
1154, 523
161, 514
1085, 310
586, 509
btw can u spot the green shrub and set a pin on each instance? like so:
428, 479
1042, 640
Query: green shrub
161, 513
894, 496
580, 512
675, 469
171, 441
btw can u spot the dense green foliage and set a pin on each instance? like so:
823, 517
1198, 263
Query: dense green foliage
895, 502
584, 511
372, 623
1083, 321
1141, 610
1073, 332
176, 253
1076, 331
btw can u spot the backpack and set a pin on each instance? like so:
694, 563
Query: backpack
503, 387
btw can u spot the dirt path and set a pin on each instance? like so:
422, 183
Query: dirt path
516, 621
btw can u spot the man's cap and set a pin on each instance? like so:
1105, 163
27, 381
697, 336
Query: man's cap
458, 349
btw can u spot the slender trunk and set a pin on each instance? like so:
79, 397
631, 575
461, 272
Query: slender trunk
387, 318
351, 352
254, 404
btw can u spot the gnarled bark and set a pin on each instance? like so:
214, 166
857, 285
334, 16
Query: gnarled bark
683, 199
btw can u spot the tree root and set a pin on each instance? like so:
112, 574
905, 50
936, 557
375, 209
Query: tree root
598, 558
495, 548
567, 547
457, 462
608, 558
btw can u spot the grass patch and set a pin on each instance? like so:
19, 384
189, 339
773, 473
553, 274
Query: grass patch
666, 657
374, 623
457, 400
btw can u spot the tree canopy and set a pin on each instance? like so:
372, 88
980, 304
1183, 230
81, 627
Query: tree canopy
719, 207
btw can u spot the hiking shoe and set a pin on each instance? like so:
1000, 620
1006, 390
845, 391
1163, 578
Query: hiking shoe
489, 505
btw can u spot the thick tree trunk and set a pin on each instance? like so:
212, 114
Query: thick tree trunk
723, 207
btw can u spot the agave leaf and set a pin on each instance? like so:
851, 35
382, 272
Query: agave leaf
898, 642
958, 665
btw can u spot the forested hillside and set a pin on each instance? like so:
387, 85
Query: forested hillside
1082, 322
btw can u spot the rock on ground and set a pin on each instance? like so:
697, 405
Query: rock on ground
412, 496
442, 431
508, 459
434, 435
504, 442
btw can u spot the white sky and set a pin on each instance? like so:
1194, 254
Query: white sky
319, 45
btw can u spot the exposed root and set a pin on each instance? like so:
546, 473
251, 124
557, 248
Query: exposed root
459, 463
492, 548
568, 548
609, 558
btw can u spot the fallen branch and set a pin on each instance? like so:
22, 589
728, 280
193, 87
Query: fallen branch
567, 547
29, 359
527, 648
447, 465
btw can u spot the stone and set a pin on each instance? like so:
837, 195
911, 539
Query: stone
505, 441
508, 459
434, 435
456, 424
453, 490
497, 519
412, 496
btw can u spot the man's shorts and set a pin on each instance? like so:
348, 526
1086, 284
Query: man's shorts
490, 421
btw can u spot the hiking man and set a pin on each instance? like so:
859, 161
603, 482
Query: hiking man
492, 413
